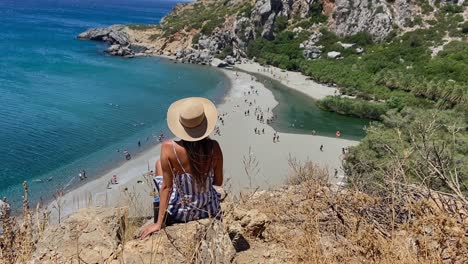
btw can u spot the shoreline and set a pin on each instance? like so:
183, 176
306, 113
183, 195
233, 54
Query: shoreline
134, 188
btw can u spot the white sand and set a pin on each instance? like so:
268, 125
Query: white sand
294, 80
269, 161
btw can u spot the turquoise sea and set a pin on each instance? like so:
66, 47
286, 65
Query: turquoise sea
66, 106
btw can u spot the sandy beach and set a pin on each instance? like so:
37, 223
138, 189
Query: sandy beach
294, 80
251, 160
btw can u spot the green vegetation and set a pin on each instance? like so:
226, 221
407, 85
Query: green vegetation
429, 146
353, 107
143, 27
402, 69
209, 26
199, 16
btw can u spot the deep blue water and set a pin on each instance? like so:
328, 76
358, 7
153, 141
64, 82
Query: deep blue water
66, 106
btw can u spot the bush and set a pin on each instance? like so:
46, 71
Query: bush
281, 23
353, 107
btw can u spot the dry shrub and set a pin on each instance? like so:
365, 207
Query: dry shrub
18, 235
317, 224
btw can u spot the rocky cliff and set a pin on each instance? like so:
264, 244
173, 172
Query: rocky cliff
196, 32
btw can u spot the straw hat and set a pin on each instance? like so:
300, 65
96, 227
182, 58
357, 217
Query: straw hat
192, 118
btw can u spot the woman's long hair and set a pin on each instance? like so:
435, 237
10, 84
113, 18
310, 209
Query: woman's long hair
201, 158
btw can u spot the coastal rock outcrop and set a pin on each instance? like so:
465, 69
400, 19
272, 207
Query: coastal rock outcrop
117, 38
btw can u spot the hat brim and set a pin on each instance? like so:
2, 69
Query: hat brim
192, 134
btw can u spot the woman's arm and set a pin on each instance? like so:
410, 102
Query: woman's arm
165, 192
218, 166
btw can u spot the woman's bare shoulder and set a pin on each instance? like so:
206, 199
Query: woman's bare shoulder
166, 146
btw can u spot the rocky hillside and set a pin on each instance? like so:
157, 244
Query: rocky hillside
306, 223
204, 29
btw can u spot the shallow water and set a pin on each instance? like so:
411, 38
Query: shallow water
66, 106
299, 114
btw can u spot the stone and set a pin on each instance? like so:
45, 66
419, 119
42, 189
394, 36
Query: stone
347, 45
297, 30
99, 34
334, 54
215, 62
230, 60
138, 48
267, 32
359, 50
118, 37
351, 17
93, 234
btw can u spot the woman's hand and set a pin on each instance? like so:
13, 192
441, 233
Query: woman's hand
150, 229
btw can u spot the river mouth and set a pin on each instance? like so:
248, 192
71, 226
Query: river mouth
299, 114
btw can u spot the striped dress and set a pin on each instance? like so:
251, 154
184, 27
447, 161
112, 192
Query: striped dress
188, 201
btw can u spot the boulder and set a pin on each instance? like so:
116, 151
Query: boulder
347, 45
97, 236
100, 34
351, 17
138, 48
230, 60
334, 54
215, 62
267, 32
203, 241
118, 37
93, 235
297, 30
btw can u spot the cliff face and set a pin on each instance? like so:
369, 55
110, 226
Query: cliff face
203, 29
199, 31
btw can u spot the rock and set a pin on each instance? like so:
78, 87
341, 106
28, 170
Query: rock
334, 54
311, 51
138, 48
267, 32
351, 17
113, 48
253, 222
359, 50
215, 62
347, 45
297, 30
301, 8
93, 234
118, 37
203, 241
99, 33
230, 60
204, 43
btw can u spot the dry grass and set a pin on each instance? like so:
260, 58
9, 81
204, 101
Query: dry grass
309, 222
315, 224
19, 234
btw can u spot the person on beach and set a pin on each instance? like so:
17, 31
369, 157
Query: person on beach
336, 173
321, 148
114, 179
139, 143
189, 168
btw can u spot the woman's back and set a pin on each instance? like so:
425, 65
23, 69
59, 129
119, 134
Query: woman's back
193, 166
189, 168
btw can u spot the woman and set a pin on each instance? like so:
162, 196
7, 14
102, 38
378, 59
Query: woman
189, 167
